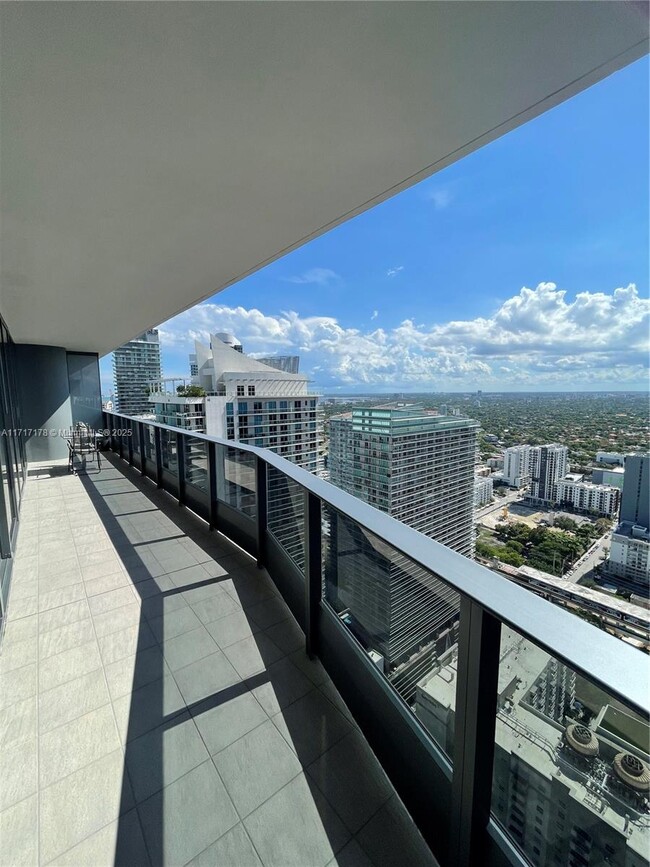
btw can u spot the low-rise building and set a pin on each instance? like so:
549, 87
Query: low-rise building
584, 496
483, 491
629, 555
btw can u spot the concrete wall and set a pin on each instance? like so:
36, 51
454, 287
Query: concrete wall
44, 395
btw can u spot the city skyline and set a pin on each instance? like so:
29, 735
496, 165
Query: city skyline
553, 297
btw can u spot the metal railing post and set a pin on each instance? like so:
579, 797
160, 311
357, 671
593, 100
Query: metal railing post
475, 722
313, 571
143, 460
157, 438
180, 458
130, 442
213, 506
121, 437
262, 510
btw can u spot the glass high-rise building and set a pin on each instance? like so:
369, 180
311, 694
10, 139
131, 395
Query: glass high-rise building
419, 468
135, 365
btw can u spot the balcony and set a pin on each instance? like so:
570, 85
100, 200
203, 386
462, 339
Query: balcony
159, 703
158, 706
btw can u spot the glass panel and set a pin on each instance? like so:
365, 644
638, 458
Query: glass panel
196, 463
286, 515
149, 443
236, 479
85, 390
405, 617
571, 776
169, 456
135, 437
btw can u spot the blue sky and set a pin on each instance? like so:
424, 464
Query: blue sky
523, 266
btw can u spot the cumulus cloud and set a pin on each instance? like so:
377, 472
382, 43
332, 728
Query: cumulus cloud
319, 276
393, 272
536, 337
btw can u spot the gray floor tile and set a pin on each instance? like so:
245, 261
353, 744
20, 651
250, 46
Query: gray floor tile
232, 628
71, 700
235, 715
100, 570
18, 654
82, 803
119, 598
234, 849
132, 672
66, 577
147, 708
65, 638
117, 619
390, 838
187, 816
55, 618
163, 755
22, 629
126, 642
249, 589
119, 844
253, 655
206, 678
22, 607
268, 612
188, 648
216, 606
76, 744
311, 726
19, 772
19, 684
69, 665
283, 685
174, 623
194, 575
352, 780
311, 833
106, 583
288, 636
63, 596
352, 855
256, 766
19, 832
18, 722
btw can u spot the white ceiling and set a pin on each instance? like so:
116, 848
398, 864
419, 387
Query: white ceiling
154, 153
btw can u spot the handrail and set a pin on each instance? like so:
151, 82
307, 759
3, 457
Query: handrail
614, 665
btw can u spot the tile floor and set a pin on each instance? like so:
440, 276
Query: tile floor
156, 704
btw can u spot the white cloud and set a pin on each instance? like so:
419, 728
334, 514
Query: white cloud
393, 272
441, 198
375, 314
319, 276
535, 338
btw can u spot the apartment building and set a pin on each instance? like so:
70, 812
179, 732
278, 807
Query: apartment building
135, 365
419, 468
516, 466
483, 490
548, 464
584, 496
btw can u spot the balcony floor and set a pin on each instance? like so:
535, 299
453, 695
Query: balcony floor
156, 703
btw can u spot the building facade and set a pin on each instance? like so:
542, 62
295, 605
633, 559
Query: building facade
483, 491
135, 365
582, 496
548, 464
516, 466
635, 501
419, 468
614, 477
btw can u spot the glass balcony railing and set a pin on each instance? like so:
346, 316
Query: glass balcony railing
515, 732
